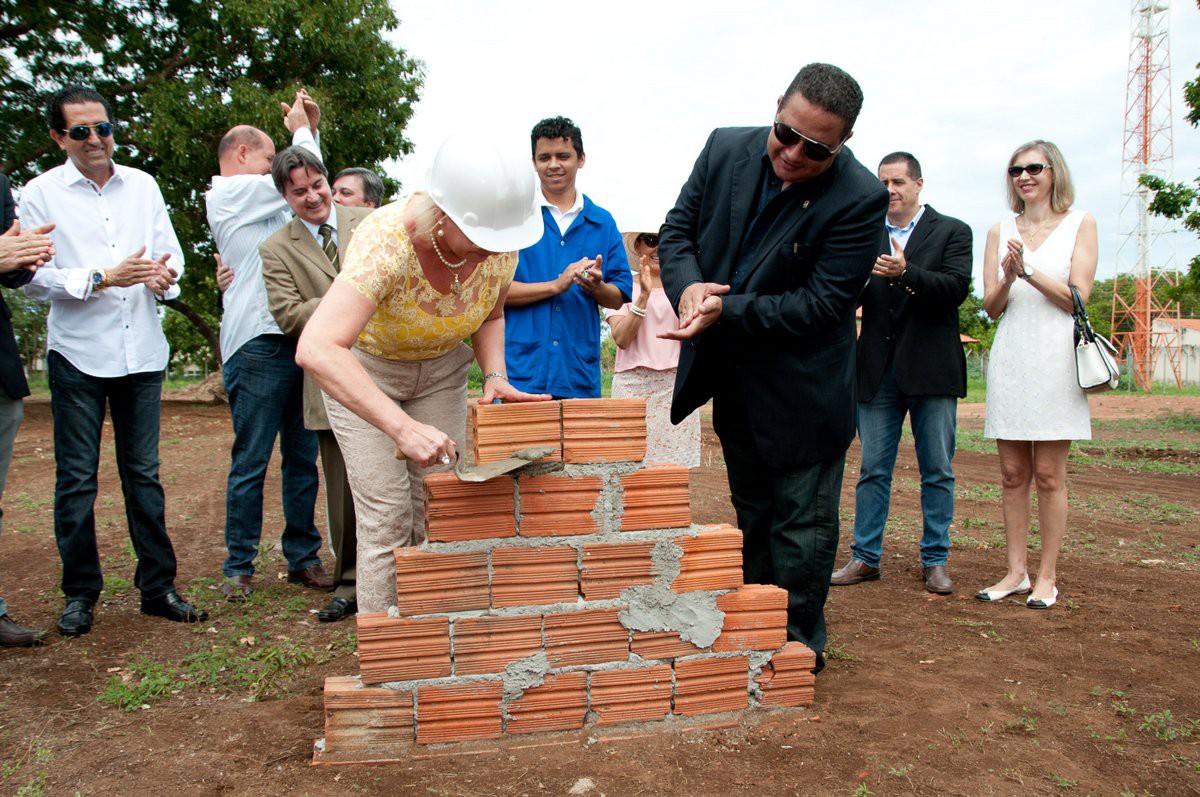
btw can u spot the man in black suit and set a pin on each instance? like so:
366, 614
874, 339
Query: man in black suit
910, 362
764, 255
20, 255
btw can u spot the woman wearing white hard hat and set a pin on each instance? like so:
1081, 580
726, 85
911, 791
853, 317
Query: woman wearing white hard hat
646, 363
385, 344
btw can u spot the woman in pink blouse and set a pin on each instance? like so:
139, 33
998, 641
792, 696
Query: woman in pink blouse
646, 363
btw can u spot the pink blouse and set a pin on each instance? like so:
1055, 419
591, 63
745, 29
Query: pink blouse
647, 350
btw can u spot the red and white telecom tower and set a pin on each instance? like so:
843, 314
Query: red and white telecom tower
1146, 249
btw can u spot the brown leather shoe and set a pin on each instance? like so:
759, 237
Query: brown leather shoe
237, 589
17, 636
938, 581
313, 577
854, 572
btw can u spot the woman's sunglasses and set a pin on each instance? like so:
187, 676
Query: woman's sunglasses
1032, 168
649, 239
84, 132
813, 150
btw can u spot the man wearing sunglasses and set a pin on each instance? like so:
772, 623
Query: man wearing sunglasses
910, 362
258, 361
116, 256
764, 255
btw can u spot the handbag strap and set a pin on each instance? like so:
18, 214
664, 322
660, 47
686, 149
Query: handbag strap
1083, 327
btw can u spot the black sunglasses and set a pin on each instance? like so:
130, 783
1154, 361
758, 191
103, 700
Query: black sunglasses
813, 150
1032, 168
84, 132
650, 239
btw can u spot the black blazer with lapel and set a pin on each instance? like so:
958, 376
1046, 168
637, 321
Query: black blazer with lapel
915, 317
786, 338
12, 371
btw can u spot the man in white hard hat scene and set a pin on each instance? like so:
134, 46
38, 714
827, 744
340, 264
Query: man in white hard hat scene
386, 342
578, 266
299, 263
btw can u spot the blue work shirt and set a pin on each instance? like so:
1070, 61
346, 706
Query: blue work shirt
553, 346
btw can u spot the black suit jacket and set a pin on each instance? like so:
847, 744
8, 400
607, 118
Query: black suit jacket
916, 316
12, 371
786, 338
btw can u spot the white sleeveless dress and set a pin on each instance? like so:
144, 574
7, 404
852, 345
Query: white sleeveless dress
1032, 390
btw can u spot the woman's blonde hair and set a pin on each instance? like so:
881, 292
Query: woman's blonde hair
426, 213
1062, 190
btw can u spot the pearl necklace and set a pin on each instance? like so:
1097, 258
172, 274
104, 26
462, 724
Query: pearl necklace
453, 268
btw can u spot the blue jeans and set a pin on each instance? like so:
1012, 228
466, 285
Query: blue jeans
789, 522
266, 400
77, 401
11, 412
879, 423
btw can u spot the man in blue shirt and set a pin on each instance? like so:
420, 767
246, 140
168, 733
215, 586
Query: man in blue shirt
551, 316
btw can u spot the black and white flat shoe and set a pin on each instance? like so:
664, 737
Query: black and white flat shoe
1038, 603
993, 595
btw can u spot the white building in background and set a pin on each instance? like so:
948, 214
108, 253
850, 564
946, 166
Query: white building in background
1189, 359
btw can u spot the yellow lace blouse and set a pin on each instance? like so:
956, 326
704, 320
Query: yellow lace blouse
413, 321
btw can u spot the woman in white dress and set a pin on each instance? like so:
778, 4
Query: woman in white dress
1035, 407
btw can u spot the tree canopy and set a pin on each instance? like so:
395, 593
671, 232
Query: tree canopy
179, 73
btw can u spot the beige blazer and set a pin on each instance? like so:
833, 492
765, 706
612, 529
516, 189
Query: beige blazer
297, 274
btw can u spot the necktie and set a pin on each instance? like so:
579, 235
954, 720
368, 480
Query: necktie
329, 245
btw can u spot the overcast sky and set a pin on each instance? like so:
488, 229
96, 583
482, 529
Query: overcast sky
958, 84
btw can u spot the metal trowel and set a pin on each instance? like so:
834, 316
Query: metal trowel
490, 470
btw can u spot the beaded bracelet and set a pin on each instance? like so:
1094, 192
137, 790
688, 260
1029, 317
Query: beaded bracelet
637, 311
494, 375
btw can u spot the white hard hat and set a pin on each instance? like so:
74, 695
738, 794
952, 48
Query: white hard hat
488, 191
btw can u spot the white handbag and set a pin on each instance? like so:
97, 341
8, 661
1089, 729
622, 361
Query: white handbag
1095, 357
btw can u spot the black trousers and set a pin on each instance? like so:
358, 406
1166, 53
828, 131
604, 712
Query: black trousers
788, 518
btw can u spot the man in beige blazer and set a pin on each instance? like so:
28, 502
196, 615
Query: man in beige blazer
300, 262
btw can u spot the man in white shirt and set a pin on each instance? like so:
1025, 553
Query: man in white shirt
116, 256
264, 383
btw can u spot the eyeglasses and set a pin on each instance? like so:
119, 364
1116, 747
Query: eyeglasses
813, 150
1032, 168
84, 132
650, 239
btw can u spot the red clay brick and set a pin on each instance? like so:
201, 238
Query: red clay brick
402, 649
359, 718
458, 712
497, 430
604, 430
787, 680
711, 560
559, 704
489, 644
594, 636
458, 510
436, 583
662, 645
755, 618
656, 498
711, 686
609, 568
534, 576
554, 504
631, 695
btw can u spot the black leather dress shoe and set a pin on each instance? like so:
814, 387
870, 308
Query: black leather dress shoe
337, 609
17, 636
76, 619
174, 608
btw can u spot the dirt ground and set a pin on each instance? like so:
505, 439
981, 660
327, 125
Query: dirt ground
923, 695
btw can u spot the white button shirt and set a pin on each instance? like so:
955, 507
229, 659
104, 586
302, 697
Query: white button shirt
244, 210
116, 331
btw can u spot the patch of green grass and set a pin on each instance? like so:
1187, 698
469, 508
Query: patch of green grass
115, 585
989, 493
862, 790
834, 651
1062, 782
143, 682
1165, 728
1168, 422
1026, 721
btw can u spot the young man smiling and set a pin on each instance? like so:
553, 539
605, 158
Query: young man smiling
551, 315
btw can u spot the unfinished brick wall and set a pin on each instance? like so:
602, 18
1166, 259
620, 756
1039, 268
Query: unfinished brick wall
576, 593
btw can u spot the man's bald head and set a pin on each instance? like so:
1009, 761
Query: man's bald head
245, 150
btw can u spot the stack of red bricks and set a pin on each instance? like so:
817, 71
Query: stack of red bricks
575, 593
